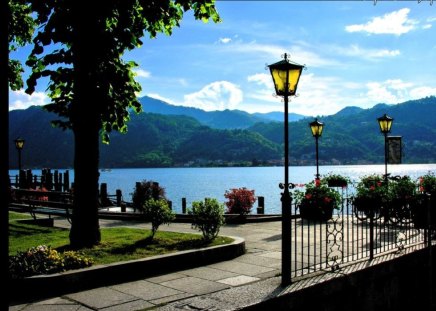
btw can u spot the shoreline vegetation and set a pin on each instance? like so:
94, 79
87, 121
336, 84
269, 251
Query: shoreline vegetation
350, 138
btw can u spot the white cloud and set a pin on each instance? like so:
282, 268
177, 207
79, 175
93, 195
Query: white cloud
396, 91
355, 50
141, 73
379, 92
21, 100
316, 95
299, 53
421, 92
157, 96
427, 26
217, 95
224, 40
261, 79
396, 23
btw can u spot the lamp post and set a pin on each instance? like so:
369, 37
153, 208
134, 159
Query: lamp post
285, 75
316, 127
385, 123
19, 144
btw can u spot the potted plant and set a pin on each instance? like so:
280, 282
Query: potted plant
317, 201
424, 200
336, 180
371, 194
402, 192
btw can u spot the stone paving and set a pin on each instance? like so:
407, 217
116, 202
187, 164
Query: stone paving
228, 285
262, 261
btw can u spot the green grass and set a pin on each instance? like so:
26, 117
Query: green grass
117, 244
15, 216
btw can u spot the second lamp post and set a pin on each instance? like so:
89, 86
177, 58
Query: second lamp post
385, 123
316, 128
285, 75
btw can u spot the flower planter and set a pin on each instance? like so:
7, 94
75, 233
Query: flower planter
420, 213
316, 211
365, 205
337, 183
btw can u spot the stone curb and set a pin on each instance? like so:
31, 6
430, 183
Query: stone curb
45, 286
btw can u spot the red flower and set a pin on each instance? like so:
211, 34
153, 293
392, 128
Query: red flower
372, 188
317, 182
327, 199
308, 196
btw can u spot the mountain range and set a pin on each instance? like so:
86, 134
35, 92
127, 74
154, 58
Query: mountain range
166, 135
226, 119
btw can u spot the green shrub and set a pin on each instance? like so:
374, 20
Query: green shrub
158, 212
427, 183
146, 190
45, 260
402, 187
207, 217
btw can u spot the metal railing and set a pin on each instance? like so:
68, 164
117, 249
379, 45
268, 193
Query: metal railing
351, 235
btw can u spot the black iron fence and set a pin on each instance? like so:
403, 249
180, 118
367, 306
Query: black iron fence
353, 234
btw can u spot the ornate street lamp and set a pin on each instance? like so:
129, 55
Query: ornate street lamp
19, 144
385, 123
316, 127
285, 75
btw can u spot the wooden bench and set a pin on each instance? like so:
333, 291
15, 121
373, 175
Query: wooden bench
42, 202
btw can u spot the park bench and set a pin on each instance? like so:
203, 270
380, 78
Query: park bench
50, 203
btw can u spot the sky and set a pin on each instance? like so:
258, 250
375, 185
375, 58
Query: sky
356, 53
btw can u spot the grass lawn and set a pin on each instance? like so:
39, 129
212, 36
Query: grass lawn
117, 244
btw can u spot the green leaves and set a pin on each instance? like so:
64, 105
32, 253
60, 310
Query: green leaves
117, 27
21, 26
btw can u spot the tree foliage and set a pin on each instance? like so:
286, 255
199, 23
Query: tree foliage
117, 26
20, 30
79, 47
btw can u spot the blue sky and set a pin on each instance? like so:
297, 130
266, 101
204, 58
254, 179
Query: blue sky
357, 53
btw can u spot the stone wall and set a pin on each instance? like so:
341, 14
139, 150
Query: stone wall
399, 283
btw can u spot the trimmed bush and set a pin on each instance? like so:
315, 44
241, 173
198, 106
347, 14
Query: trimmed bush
207, 217
158, 212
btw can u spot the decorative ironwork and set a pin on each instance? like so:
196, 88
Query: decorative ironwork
335, 238
290, 186
400, 241
334, 242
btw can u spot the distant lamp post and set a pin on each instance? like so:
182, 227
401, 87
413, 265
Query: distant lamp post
19, 144
316, 127
285, 75
385, 123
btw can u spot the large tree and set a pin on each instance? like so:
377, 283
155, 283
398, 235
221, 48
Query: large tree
79, 47
16, 30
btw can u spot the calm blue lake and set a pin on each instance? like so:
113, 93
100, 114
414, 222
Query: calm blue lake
195, 184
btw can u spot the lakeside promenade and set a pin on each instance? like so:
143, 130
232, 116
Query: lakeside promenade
229, 285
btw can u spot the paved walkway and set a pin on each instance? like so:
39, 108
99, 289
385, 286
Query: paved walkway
229, 285
187, 289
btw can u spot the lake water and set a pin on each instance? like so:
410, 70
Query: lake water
195, 184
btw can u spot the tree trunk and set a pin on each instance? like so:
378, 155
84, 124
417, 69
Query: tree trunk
86, 123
